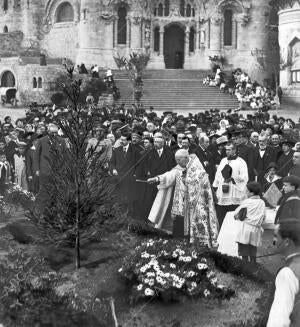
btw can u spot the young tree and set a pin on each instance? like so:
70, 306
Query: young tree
80, 193
135, 66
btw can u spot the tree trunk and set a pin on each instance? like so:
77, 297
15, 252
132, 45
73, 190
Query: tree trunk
77, 245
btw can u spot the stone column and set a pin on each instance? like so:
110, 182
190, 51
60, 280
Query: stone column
115, 32
161, 40
197, 45
187, 42
128, 36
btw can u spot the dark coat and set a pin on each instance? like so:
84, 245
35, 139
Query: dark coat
261, 164
126, 166
285, 163
31, 170
155, 165
43, 155
246, 152
206, 157
289, 207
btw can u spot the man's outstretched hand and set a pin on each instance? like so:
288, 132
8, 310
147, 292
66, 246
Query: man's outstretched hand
152, 180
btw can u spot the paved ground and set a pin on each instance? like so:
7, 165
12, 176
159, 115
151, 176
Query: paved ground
287, 111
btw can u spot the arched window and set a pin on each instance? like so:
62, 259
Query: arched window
5, 5
8, 79
122, 25
192, 40
34, 83
155, 11
227, 27
40, 83
5, 29
182, 8
193, 12
167, 8
160, 10
188, 10
64, 13
156, 39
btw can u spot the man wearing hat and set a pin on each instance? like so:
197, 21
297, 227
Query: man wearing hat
289, 205
43, 158
206, 157
262, 157
220, 151
285, 161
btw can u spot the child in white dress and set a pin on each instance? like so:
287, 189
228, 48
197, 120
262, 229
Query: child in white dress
249, 236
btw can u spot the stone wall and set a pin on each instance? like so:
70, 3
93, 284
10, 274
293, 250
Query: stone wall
289, 41
10, 43
24, 75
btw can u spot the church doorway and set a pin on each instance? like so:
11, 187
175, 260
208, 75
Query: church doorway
174, 47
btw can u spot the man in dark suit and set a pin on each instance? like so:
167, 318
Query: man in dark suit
43, 157
206, 157
123, 166
285, 159
262, 157
160, 160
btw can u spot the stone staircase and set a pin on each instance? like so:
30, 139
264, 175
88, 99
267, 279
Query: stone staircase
176, 90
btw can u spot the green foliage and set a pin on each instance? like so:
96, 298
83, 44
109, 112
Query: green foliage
80, 193
29, 298
96, 86
58, 98
218, 60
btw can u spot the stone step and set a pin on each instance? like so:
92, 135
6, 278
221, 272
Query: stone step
178, 74
178, 94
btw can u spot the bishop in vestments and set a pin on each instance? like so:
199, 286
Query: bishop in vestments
186, 189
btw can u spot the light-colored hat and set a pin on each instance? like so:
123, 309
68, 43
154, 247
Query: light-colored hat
296, 145
221, 140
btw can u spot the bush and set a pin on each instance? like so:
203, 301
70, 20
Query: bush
58, 98
28, 295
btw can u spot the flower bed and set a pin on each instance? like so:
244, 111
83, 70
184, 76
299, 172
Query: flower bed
171, 269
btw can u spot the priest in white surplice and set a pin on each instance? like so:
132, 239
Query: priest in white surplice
187, 189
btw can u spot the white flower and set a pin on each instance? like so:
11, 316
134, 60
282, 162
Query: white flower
150, 274
214, 281
172, 265
145, 255
120, 270
140, 287
149, 292
143, 269
146, 281
202, 266
151, 282
191, 274
159, 280
188, 259
194, 255
206, 293
174, 254
194, 284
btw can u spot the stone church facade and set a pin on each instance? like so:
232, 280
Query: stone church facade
177, 34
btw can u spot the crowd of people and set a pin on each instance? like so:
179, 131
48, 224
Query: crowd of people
250, 94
